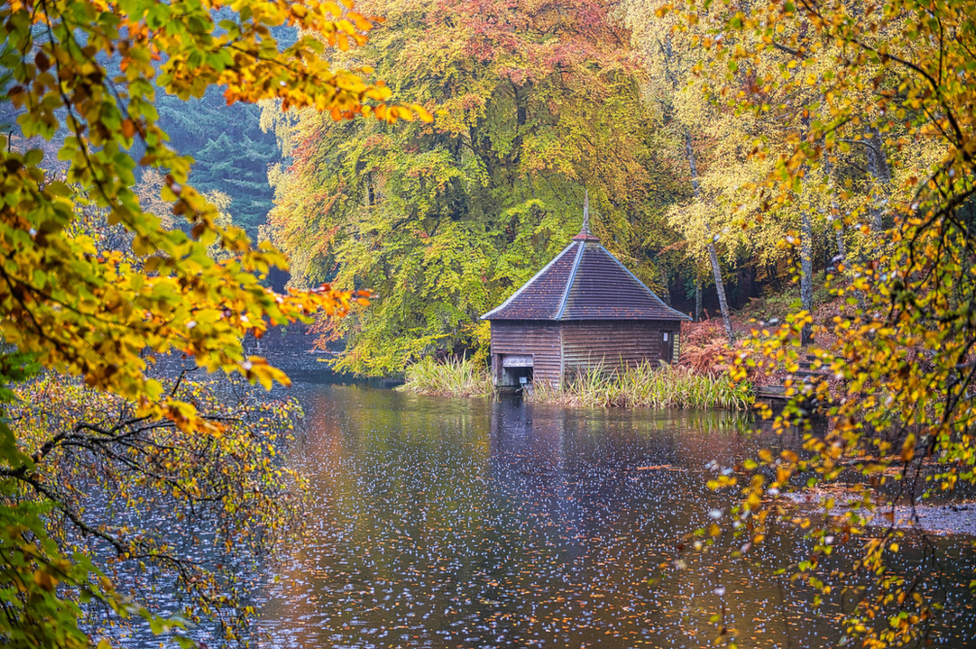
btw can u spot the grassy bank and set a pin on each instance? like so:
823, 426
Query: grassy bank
647, 386
640, 386
452, 378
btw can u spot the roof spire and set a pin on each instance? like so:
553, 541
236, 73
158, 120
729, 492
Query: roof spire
586, 212
585, 234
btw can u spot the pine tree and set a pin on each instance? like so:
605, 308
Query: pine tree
231, 151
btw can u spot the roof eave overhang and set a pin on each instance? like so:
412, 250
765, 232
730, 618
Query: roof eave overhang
583, 239
491, 314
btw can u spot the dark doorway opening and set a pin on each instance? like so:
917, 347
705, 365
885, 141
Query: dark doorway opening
520, 376
512, 371
667, 346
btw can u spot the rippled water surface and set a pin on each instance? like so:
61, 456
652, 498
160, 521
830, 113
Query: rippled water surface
466, 523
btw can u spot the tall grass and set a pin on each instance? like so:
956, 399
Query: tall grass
636, 386
458, 377
647, 386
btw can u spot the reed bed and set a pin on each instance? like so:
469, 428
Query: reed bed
457, 377
637, 386
647, 386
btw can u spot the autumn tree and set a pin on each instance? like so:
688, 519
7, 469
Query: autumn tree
888, 88
683, 116
445, 220
715, 141
95, 315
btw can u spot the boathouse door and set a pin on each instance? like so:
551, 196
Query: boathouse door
514, 370
667, 346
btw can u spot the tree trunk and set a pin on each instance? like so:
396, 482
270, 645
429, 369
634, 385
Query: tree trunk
712, 255
666, 292
720, 287
835, 210
841, 237
881, 175
806, 272
698, 296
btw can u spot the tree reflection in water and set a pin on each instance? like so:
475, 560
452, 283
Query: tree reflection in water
469, 523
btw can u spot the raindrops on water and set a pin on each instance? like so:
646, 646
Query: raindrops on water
466, 523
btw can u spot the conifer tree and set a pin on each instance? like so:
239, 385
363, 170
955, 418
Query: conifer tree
231, 153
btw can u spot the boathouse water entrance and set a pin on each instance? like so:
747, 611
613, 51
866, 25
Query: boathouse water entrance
513, 370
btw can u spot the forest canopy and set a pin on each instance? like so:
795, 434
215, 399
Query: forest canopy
538, 104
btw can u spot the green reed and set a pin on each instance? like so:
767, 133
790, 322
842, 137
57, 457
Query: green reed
647, 386
456, 377
636, 386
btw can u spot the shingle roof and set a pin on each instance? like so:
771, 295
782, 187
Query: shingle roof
584, 282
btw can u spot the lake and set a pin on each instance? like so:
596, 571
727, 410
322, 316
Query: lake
462, 523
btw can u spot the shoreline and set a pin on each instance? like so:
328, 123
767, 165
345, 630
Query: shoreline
944, 519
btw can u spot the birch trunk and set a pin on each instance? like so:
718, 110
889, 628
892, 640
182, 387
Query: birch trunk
841, 234
698, 297
712, 255
835, 211
806, 272
881, 174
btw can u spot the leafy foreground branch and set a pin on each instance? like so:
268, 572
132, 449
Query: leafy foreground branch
162, 510
93, 283
902, 357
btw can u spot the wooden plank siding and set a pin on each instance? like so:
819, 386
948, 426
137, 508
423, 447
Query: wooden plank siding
615, 343
538, 338
560, 349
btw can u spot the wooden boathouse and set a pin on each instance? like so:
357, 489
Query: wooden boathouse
583, 309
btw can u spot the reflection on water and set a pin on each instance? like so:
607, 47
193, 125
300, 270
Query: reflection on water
465, 523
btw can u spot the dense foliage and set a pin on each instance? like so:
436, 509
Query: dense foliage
95, 287
539, 102
881, 94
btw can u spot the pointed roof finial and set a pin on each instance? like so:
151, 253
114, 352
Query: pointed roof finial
585, 234
586, 212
